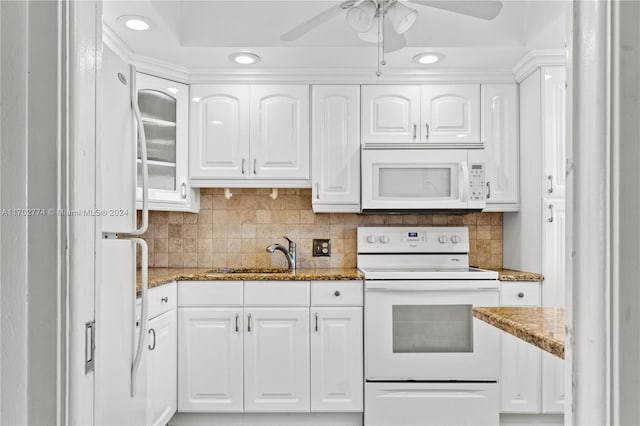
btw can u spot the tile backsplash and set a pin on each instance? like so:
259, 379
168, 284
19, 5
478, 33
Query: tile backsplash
235, 232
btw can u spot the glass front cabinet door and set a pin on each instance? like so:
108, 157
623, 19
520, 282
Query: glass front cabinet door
164, 106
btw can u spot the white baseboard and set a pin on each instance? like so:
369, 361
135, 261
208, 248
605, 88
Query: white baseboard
267, 419
531, 419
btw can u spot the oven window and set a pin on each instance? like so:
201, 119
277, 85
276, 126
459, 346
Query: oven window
415, 183
432, 328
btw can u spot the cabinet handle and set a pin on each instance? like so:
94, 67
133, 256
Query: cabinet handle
243, 163
183, 190
255, 167
165, 299
550, 219
337, 293
153, 332
488, 190
550, 179
249, 323
521, 295
415, 131
316, 315
237, 324
317, 191
426, 127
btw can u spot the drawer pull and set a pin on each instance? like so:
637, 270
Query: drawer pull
337, 293
521, 295
165, 299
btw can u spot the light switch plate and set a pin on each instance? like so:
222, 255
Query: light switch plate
322, 248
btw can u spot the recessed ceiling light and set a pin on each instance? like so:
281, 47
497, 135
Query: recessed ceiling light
135, 22
428, 58
244, 58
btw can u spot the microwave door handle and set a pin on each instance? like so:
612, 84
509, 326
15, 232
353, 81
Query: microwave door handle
464, 181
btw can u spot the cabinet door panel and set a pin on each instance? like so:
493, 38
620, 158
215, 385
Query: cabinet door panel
219, 146
163, 364
554, 95
451, 114
277, 359
280, 132
390, 114
336, 359
336, 145
210, 360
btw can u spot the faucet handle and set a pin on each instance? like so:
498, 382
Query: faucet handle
291, 243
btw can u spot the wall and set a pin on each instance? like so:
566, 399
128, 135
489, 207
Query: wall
235, 233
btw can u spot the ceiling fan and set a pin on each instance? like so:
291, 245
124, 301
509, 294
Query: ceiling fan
371, 18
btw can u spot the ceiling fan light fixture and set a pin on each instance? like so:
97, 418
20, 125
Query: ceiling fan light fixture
428, 58
244, 58
401, 16
371, 36
361, 16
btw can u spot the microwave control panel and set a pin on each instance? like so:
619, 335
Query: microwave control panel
476, 182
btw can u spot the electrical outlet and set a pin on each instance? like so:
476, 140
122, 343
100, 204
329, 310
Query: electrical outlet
322, 248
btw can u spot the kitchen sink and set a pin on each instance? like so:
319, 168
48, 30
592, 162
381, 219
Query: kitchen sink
248, 271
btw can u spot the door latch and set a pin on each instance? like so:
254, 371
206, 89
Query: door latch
89, 346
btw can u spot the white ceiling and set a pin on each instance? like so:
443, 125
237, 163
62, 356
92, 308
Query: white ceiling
201, 34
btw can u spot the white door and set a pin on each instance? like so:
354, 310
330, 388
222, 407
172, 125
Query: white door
276, 359
162, 383
219, 137
554, 100
210, 348
501, 145
553, 268
335, 137
164, 106
390, 114
451, 114
280, 132
336, 359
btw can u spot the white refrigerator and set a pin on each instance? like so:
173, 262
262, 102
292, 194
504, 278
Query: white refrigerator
120, 396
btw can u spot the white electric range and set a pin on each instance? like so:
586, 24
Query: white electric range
427, 360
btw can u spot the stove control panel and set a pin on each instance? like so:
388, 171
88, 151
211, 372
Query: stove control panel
417, 239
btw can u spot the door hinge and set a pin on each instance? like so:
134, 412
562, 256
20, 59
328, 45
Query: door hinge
89, 346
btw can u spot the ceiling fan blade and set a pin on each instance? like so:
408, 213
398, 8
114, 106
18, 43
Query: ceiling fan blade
312, 23
392, 40
478, 9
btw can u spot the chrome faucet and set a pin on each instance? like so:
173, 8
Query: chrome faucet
289, 253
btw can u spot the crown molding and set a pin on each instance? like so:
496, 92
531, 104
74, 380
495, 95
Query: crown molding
536, 59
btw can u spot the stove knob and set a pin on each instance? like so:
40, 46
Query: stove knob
442, 239
371, 239
455, 239
384, 239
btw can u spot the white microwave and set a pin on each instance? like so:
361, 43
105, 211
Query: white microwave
421, 180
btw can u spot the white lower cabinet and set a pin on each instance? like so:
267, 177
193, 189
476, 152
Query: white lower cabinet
162, 364
276, 359
210, 370
336, 359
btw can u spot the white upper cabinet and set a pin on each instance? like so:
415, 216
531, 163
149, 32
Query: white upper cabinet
219, 131
336, 148
276, 359
451, 114
164, 106
249, 132
390, 114
501, 146
280, 132
554, 95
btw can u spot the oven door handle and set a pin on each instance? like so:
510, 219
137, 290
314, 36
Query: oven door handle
428, 288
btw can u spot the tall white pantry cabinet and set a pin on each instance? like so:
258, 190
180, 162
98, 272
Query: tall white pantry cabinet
534, 237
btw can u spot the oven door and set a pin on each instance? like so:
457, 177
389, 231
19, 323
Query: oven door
425, 330
415, 179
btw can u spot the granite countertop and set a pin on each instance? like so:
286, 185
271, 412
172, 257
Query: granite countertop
513, 275
159, 276
542, 327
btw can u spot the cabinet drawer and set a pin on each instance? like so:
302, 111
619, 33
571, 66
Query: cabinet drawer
210, 293
336, 293
520, 294
276, 293
162, 299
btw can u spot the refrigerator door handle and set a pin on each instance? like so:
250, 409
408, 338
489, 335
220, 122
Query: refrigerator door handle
142, 144
144, 272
